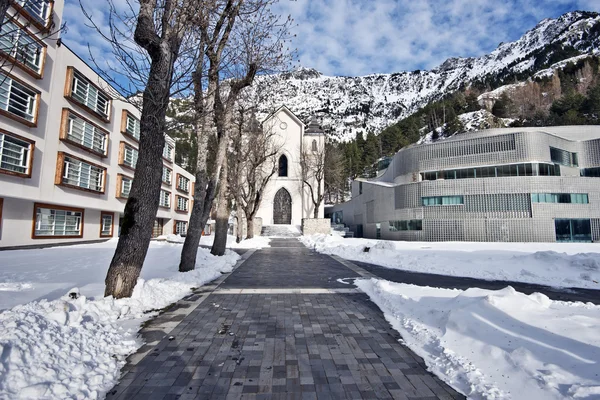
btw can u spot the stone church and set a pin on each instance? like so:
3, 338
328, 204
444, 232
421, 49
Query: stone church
285, 199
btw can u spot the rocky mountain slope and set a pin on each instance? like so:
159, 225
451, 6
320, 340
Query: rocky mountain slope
346, 105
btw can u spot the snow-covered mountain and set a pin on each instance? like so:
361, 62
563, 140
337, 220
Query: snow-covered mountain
346, 105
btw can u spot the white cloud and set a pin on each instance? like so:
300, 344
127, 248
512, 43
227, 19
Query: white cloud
357, 37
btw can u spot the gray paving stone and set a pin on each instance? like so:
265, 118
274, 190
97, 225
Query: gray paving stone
282, 346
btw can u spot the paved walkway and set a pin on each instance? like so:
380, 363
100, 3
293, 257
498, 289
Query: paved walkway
281, 326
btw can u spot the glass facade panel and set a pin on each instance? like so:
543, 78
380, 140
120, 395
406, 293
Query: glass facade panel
564, 198
590, 172
563, 157
573, 230
442, 200
406, 225
510, 170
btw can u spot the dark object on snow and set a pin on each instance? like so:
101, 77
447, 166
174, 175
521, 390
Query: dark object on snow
366, 249
171, 337
74, 295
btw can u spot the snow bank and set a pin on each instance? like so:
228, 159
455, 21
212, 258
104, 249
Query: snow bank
553, 264
497, 344
65, 347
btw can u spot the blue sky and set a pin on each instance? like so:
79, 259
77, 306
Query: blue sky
359, 37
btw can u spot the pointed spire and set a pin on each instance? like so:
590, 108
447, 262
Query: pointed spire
314, 127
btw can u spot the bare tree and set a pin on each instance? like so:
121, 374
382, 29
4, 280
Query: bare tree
312, 169
4, 4
240, 39
160, 30
254, 162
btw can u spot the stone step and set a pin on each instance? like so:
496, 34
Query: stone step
284, 231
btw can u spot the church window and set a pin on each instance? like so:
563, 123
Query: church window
283, 166
314, 145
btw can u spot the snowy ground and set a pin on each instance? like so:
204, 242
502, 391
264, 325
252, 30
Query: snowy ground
55, 347
497, 344
553, 264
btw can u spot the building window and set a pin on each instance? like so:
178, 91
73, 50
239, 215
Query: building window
408, 225
183, 183
123, 186
21, 46
314, 145
576, 198
180, 228
106, 224
167, 175
443, 200
573, 230
18, 101
590, 172
158, 227
55, 221
82, 133
182, 204
283, 165
495, 171
39, 11
165, 199
84, 92
563, 157
130, 125
168, 152
128, 156
79, 174
16, 154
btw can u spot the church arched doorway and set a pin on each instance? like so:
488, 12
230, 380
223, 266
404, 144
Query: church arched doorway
282, 207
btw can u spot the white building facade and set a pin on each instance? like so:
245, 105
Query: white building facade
286, 200
68, 146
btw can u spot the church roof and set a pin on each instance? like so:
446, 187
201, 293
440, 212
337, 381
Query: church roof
286, 110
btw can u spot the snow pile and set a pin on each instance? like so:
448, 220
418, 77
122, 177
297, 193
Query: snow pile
553, 264
74, 345
497, 344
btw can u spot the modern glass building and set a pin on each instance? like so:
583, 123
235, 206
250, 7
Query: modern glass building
510, 185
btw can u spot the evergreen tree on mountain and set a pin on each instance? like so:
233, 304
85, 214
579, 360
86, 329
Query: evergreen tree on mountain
371, 151
503, 106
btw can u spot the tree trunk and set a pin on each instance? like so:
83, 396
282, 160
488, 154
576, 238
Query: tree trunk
195, 225
316, 211
240, 224
142, 204
250, 228
203, 196
222, 220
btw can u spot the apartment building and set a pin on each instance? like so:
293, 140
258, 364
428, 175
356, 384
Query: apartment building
510, 185
68, 143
